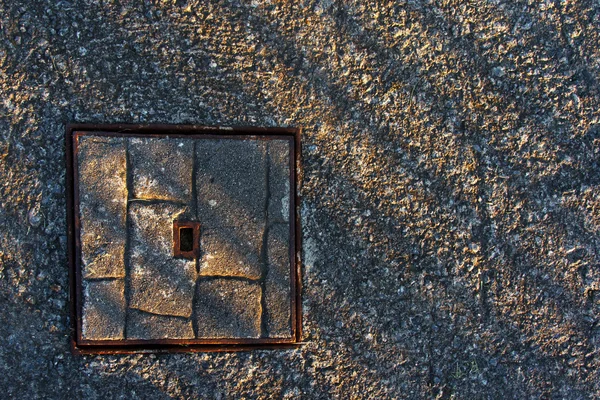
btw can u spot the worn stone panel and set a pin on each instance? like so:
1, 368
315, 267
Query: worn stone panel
224, 253
141, 325
103, 313
279, 180
231, 203
102, 167
160, 284
162, 168
227, 308
277, 283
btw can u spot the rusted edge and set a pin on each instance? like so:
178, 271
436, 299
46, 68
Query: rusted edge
162, 129
74, 141
297, 173
177, 252
154, 349
292, 240
77, 343
69, 194
186, 342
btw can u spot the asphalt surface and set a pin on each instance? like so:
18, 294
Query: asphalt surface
450, 190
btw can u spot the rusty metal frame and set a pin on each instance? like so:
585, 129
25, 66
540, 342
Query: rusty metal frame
127, 346
177, 252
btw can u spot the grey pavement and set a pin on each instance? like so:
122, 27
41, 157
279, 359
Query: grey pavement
449, 201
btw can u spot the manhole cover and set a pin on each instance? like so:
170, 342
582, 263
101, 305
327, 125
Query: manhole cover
182, 238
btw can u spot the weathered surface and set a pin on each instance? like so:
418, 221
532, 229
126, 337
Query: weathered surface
103, 310
231, 202
279, 180
160, 284
450, 200
277, 283
102, 171
227, 308
226, 252
162, 168
141, 325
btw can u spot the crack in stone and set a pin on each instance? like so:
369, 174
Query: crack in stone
264, 250
182, 318
194, 212
259, 314
126, 257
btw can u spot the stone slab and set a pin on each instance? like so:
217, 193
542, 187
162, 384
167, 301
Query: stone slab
242, 202
162, 168
279, 181
277, 283
141, 325
231, 202
225, 253
102, 167
231, 182
103, 313
160, 284
227, 308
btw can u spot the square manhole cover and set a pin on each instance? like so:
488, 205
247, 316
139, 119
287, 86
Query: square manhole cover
182, 238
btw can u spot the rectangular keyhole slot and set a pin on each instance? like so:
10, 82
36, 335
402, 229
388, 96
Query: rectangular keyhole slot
186, 239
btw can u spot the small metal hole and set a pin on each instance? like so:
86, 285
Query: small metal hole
186, 239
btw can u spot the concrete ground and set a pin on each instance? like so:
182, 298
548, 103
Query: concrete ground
450, 196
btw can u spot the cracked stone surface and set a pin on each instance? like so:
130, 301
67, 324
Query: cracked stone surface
228, 308
141, 325
103, 205
231, 200
162, 168
279, 180
160, 284
234, 185
277, 283
226, 253
103, 310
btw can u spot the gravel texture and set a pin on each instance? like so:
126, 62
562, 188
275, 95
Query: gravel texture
450, 196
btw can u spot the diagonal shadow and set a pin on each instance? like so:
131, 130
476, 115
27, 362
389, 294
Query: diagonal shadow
464, 206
